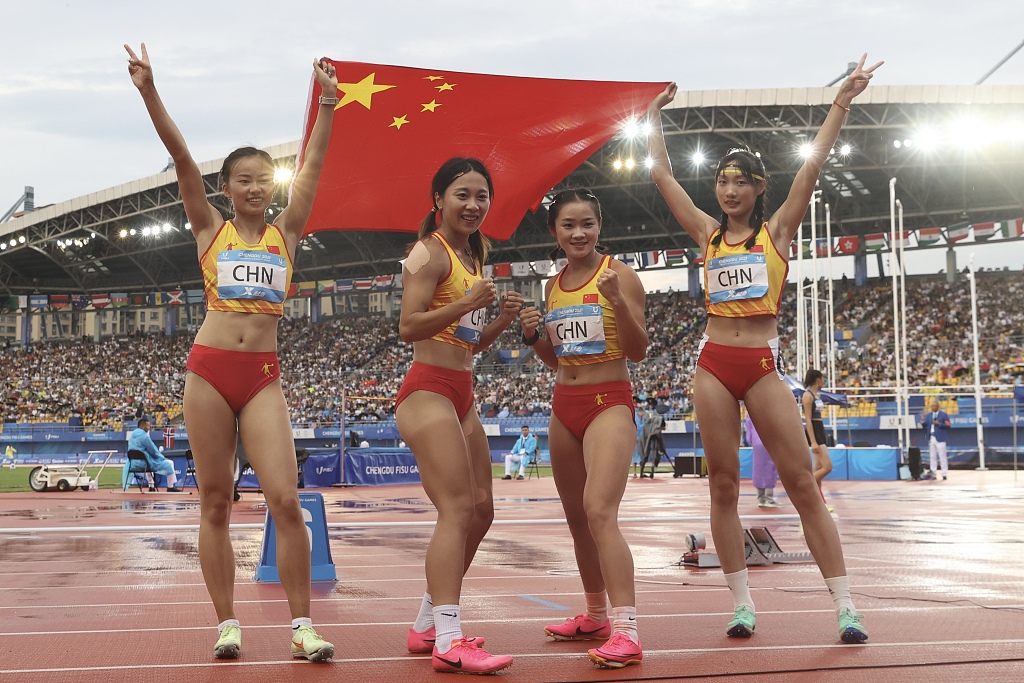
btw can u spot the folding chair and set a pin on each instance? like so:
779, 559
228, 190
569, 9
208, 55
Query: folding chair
138, 466
190, 470
533, 465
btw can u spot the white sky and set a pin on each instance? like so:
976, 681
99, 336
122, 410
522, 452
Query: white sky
238, 73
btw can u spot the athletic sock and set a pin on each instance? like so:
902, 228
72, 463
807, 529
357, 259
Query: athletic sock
839, 587
740, 589
301, 621
597, 607
760, 494
449, 626
624, 621
425, 617
769, 493
227, 622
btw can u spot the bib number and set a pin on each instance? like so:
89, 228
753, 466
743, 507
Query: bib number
737, 277
576, 330
251, 275
471, 326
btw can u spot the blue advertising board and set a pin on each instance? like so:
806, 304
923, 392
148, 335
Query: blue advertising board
321, 563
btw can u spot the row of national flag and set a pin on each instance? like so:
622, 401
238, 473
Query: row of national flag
77, 302
850, 244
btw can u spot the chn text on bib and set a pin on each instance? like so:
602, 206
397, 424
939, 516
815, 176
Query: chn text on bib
576, 330
737, 277
251, 275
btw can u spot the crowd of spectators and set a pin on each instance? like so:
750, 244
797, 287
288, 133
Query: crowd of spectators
363, 358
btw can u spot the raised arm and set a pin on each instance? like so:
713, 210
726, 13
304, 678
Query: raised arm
531, 319
201, 214
293, 219
695, 222
786, 221
622, 287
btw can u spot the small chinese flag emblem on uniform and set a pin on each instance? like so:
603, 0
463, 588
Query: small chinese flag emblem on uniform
274, 249
590, 298
757, 249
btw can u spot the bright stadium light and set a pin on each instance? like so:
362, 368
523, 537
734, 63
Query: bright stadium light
167, 227
188, 226
649, 162
630, 163
3, 245
897, 144
145, 231
908, 143
282, 175
845, 150
697, 158
806, 150
927, 138
617, 165
631, 128
92, 234
123, 233
21, 239
646, 128
14, 242
132, 231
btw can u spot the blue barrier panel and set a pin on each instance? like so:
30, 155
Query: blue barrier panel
321, 564
322, 470
380, 467
840, 463
874, 463
746, 463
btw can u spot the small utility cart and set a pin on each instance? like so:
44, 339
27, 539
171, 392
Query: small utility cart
68, 477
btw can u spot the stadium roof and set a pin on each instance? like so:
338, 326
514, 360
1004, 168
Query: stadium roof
964, 162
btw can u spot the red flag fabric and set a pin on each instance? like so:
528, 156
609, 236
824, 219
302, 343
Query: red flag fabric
848, 244
394, 127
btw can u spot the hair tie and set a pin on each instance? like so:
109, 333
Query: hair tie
433, 209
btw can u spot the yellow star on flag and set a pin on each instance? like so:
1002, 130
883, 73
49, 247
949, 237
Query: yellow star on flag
445, 86
360, 92
430, 106
399, 121
433, 78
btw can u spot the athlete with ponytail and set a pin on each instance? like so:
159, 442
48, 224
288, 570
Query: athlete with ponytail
444, 306
745, 269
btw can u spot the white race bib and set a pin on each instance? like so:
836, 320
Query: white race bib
471, 326
251, 275
576, 330
737, 277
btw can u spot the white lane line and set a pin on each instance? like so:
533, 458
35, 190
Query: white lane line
702, 652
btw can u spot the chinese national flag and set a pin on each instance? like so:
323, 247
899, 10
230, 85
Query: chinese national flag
395, 126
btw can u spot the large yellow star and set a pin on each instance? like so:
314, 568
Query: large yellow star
399, 121
430, 106
445, 86
360, 92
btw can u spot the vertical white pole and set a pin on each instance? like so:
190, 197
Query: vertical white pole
815, 323
341, 440
903, 329
977, 368
830, 328
801, 334
893, 266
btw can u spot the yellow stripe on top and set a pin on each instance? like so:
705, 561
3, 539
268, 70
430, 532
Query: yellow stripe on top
466, 331
581, 323
739, 282
246, 278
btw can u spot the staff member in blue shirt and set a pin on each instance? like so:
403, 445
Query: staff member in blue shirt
526, 447
140, 441
936, 423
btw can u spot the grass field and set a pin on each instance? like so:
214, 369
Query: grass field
17, 479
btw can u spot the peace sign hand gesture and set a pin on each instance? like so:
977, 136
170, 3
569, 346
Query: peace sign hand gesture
139, 68
856, 82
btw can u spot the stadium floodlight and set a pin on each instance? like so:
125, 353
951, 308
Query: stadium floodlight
123, 233
908, 143
3, 245
131, 232
631, 128
145, 231
617, 165
630, 164
697, 158
806, 150
21, 238
282, 175
92, 234
14, 242
649, 162
646, 128
167, 227
897, 144
927, 138
188, 226
845, 150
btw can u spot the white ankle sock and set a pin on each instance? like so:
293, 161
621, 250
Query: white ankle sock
425, 618
839, 587
624, 621
227, 622
449, 626
301, 621
740, 589
597, 606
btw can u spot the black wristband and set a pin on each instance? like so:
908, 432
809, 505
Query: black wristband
534, 339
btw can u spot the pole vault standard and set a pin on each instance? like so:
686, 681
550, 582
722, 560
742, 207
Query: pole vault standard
905, 420
830, 328
801, 331
977, 367
893, 266
815, 357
